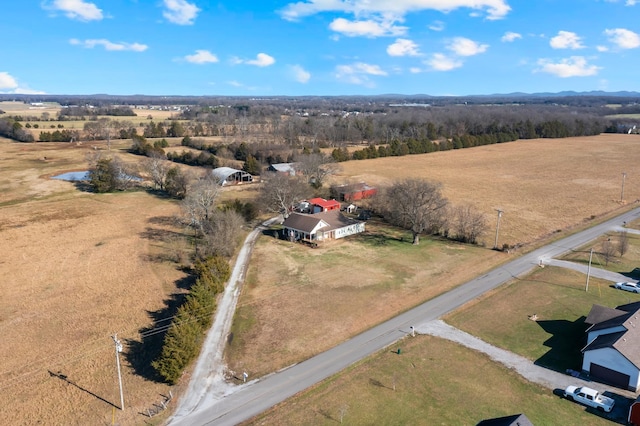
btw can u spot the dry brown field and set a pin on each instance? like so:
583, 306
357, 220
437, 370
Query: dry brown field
81, 266
298, 301
542, 185
77, 268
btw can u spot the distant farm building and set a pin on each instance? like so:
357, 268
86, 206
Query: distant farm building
330, 225
285, 168
229, 176
353, 192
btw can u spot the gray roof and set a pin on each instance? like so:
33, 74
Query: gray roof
307, 222
284, 167
626, 342
601, 313
514, 420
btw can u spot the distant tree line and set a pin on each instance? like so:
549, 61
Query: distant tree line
72, 112
11, 129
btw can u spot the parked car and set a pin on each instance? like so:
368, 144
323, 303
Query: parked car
632, 287
589, 397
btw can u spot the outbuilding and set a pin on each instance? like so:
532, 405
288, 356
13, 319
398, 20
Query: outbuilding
353, 192
230, 176
319, 205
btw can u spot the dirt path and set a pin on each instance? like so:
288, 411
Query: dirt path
207, 381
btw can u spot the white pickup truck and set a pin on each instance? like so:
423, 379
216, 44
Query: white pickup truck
590, 397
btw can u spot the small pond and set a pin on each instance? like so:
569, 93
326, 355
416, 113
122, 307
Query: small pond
73, 176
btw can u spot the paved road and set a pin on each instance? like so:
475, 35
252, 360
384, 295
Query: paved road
263, 394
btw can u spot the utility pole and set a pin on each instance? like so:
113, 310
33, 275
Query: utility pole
118, 350
589, 270
495, 244
624, 175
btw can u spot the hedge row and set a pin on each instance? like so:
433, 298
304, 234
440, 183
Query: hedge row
186, 334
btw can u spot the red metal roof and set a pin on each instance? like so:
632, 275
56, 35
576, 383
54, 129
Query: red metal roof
326, 204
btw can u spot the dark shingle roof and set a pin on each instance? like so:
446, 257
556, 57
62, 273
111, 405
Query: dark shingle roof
307, 222
514, 420
601, 313
626, 342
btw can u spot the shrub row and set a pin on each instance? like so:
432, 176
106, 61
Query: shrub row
186, 334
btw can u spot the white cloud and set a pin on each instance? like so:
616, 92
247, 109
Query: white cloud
7, 81
8, 84
624, 39
436, 26
76, 9
510, 36
415, 70
575, 66
440, 62
180, 12
108, 45
262, 60
403, 47
358, 73
366, 28
495, 9
566, 40
201, 57
465, 47
602, 48
300, 74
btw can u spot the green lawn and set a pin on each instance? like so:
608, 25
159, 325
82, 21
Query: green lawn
432, 382
626, 265
558, 297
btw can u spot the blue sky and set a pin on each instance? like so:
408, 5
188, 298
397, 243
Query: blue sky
318, 47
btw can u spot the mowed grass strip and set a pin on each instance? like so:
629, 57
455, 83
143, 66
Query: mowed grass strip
432, 382
626, 264
298, 301
558, 297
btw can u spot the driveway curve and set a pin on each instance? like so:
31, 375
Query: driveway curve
262, 394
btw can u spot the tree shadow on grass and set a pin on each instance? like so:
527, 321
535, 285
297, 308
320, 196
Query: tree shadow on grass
141, 353
565, 344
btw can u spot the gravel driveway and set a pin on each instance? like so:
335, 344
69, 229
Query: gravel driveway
527, 369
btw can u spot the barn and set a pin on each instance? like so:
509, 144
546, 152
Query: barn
330, 225
612, 353
319, 205
353, 192
230, 176
284, 168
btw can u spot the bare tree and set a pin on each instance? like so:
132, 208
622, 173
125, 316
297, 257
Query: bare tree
316, 167
415, 204
221, 232
157, 168
127, 174
280, 192
608, 251
199, 204
623, 243
468, 223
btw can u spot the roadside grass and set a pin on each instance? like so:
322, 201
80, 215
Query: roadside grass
626, 265
299, 301
557, 297
432, 382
